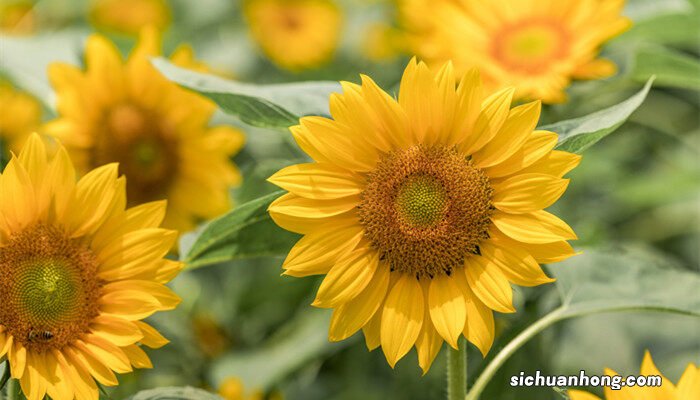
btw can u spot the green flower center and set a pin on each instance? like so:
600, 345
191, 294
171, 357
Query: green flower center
49, 289
421, 200
46, 290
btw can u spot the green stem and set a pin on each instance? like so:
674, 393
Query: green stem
457, 371
511, 348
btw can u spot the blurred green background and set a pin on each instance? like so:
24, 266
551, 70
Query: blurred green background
636, 192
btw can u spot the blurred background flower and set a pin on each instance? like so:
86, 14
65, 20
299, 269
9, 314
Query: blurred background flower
20, 115
129, 16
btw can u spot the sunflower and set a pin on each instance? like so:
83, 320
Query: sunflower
422, 211
157, 132
20, 115
535, 46
688, 387
17, 17
129, 16
78, 273
295, 34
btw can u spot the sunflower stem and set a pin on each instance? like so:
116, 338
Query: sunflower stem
457, 371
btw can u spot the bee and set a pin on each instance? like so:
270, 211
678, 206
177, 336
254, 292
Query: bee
39, 336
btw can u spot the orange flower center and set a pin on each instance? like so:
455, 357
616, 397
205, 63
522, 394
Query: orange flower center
145, 147
530, 46
49, 289
426, 210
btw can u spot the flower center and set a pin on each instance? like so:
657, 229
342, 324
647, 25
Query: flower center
145, 148
48, 288
530, 46
425, 210
421, 201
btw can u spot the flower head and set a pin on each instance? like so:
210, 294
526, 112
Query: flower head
688, 386
422, 211
536, 46
157, 132
295, 34
129, 16
20, 115
78, 273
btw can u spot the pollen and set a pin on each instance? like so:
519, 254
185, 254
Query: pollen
425, 210
49, 288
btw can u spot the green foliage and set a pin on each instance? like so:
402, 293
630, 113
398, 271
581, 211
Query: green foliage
578, 134
246, 231
671, 68
302, 340
624, 278
266, 106
174, 393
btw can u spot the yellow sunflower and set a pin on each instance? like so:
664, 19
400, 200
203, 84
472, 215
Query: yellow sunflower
78, 273
20, 115
688, 387
537, 46
17, 17
295, 34
422, 211
129, 113
129, 16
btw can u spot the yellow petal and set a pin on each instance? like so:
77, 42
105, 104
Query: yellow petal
580, 395
535, 148
666, 391
356, 313
82, 356
372, 330
494, 112
402, 318
429, 341
446, 302
147, 215
110, 355
489, 283
318, 181
536, 227
161, 293
18, 201
151, 337
301, 215
515, 262
689, 385
117, 330
516, 130
94, 196
338, 143
319, 250
347, 278
470, 95
131, 305
556, 163
17, 355
480, 328
137, 357
549, 252
134, 252
527, 192
595, 69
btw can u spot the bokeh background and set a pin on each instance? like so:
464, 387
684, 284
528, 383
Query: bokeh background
636, 192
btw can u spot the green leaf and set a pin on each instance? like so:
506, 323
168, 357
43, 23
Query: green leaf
671, 29
578, 134
624, 278
245, 232
603, 281
293, 347
672, 68
276, 106
174, 393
